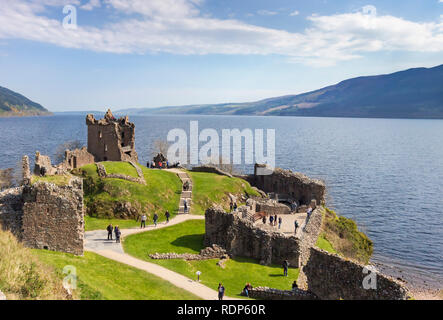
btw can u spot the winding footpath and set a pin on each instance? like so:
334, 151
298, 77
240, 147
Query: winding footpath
96, 242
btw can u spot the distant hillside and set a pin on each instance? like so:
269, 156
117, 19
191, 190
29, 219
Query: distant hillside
13, 104
414, 93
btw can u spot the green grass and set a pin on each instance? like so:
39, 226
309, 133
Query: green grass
59, 180
120, 168
210, 188
103, 196
100, 278
324, 244
187, 237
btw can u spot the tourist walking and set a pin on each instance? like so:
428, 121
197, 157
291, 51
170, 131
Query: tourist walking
167, 215
143, 221
110, 228
271, 220
275, 220
117, 233
155, 219
294, 206
264, 220
235, 206
221, 291
285, 268
280, 220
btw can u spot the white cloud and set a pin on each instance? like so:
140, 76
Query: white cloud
294, 13
267, 13
178, 27
91, 5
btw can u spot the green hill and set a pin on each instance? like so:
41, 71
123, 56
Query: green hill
13, 104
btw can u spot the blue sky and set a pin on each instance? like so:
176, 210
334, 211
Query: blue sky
150, 53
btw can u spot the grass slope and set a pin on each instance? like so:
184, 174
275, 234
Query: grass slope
210, 188
100, 278
341, 235
120, 168
187, 237
23, 276
105, 197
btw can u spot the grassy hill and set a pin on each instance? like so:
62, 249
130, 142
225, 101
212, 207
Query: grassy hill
13, 104
413, 93
122, 202
210, 188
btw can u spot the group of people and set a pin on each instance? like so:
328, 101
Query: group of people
115, 230
273, 221
144, 218
233, 206
162, 165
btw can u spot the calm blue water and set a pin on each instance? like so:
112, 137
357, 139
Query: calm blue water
385, 174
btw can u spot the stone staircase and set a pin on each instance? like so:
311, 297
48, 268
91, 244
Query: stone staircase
185, 195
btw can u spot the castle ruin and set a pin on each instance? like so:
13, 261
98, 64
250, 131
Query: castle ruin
111, 139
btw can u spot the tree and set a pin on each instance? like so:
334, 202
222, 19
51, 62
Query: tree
68, 145
160, 146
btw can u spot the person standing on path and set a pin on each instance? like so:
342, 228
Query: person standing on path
110, 228
117, 234
275, 220
221, 291
167, 215
143, 222
155, 219
235, 206
264, 220
271, 220
285, 268
280, 220
295, 226
185, 204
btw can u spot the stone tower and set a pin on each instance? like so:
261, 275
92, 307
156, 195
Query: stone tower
111, 139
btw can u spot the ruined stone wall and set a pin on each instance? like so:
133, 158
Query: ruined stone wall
271, 207
11, 211
111, 139
265, 293
308, 239
211, 169
295, 185
332, 277
53, 217
241, 238
43, 162
78, 158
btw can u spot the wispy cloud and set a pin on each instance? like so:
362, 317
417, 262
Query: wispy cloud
294, 13
178, 27
267, 13
91, 5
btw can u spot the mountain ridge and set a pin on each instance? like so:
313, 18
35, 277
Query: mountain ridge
13, 104
411, 93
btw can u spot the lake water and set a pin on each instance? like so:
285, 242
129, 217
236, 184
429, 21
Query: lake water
385, 174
